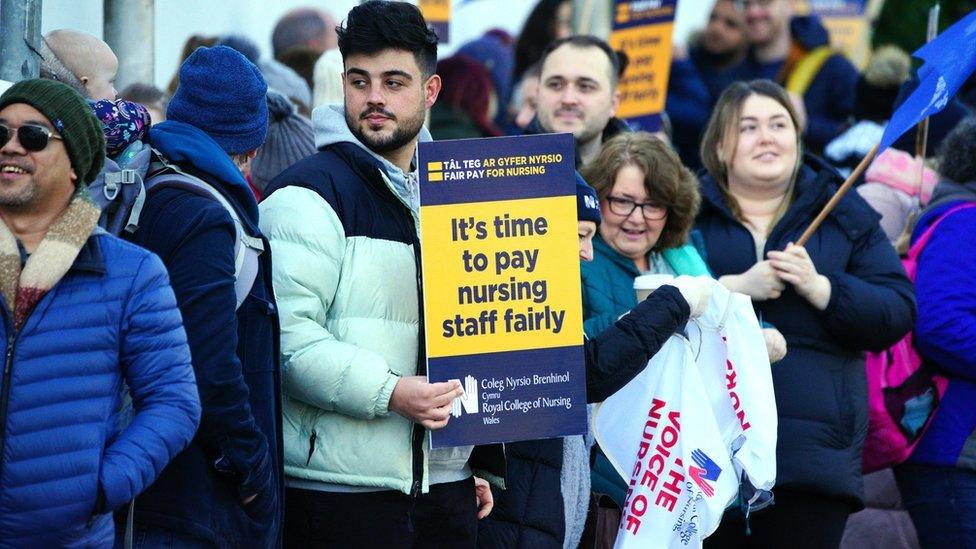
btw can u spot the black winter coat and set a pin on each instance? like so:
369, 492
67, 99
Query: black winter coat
529, 512
821, 393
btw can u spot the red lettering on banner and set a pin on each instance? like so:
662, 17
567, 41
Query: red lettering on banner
648, 473
656, 463
631, 521
736, 402
666, 500
649, 479
668, 496
656, 405
642, 449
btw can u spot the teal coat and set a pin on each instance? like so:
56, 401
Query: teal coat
608, 280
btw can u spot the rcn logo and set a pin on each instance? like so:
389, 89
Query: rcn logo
707, 471
469, 400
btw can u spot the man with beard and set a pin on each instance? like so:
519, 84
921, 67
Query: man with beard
578, 93
342, 225
700, 74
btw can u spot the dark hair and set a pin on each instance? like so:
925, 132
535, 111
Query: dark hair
242, 44
296, 28
145, 94
192, 43
377, 25
957, 153
466, 87
725, 117
537, 33
586, 41
666, 180
302, 59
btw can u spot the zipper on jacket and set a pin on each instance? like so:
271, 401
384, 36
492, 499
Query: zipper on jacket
311, 447
419, 432
8, 364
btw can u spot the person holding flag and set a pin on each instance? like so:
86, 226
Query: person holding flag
842, 293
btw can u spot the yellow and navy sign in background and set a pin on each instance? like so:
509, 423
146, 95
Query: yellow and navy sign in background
502, 302
642, 30
847, 23
438, 15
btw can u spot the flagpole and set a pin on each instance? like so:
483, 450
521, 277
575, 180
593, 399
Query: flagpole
922, 135
838, 196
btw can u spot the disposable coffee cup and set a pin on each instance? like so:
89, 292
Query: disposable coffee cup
645, 284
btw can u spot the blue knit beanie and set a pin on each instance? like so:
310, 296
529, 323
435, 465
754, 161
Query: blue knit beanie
223, 94
587, 203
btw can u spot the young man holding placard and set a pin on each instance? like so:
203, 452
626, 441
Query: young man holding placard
343, 228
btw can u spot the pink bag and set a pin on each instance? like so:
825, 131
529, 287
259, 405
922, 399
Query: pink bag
903, 391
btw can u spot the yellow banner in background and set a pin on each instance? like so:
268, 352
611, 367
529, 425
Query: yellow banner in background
846, 22
645, 83
516, 289
850, 35
438, 15
642, 30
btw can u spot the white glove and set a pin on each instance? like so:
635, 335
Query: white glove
697, 291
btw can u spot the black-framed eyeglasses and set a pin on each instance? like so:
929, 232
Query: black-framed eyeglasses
32, 137
652, 211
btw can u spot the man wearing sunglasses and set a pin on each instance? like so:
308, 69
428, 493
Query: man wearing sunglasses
82, 313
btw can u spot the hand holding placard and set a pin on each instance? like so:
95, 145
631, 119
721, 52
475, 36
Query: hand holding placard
428, 404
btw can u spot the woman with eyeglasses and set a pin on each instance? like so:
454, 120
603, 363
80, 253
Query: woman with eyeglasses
843, 293
648, 202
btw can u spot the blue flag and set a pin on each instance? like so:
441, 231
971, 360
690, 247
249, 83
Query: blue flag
949, 60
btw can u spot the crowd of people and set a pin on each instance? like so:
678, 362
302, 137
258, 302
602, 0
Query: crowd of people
213, 296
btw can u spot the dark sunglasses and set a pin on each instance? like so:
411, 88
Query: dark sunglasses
32, 138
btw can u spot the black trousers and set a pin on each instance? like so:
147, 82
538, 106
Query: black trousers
445, 517
798, 520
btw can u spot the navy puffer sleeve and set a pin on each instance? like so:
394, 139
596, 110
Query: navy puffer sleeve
872, 304
621, 352
156, 365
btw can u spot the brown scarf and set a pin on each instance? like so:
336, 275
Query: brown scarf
23, 289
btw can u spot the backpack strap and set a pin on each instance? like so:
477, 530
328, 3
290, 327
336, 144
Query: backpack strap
807, 69
247, 248
919, 244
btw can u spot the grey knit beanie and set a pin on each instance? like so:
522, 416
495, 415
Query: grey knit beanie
290, 138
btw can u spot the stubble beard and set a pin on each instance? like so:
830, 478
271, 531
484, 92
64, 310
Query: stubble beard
405, 131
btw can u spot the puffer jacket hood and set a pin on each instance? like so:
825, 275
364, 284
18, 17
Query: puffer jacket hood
809, 32
329, 123
185, 144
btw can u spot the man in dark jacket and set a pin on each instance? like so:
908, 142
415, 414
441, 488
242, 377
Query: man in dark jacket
82, 313
225, 489
578, 93
796, 52
699, 75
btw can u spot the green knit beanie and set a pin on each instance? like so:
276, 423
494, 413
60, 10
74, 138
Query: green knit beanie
70, 115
